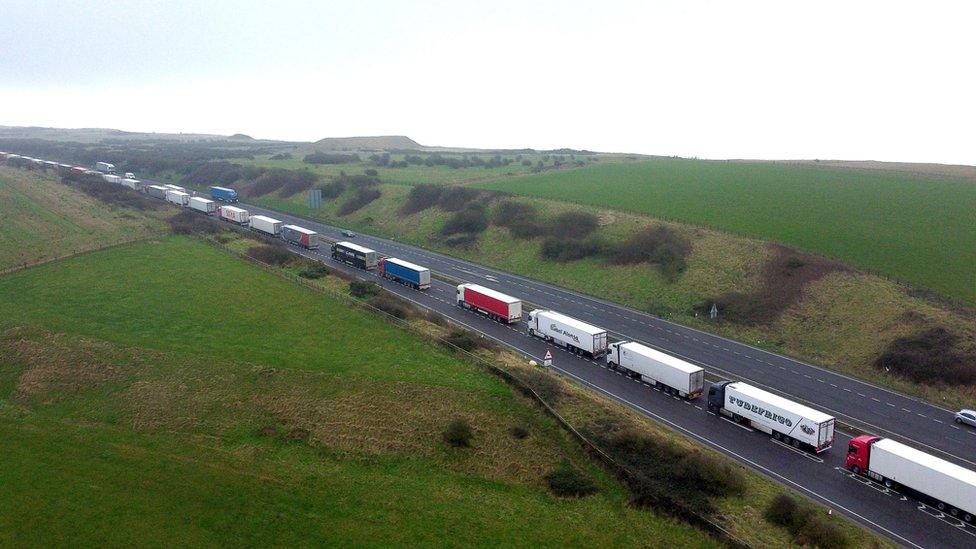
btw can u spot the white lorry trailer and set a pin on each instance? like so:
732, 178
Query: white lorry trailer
573, 334
947, 486
233, 214
785, 420
104, 167
179, 198
265, 224
668, 373
204, 205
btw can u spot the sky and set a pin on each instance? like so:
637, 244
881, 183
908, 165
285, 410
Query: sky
822, 79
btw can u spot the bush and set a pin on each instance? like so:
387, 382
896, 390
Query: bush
333, 190
521, 219
670, 476
359, 200
393, 306
466, 241
314, 271
470, 220
370, 172
363, 288
281, 156
434, 317
330, 158
802, 520
111, 194
519, 432
466, 340
187, 222
271, 254
568, 482
574, 225
454, 199
931, 356
562, 250
420, 198
458, 433
658, 245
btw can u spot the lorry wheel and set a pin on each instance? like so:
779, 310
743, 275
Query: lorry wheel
889, 483
856, 470
953, 511
777, 435
796, 443
786, 439
967, 517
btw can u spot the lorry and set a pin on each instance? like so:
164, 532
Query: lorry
179, 198
575, 335
157, 191
785, 420
947, 486
266, 225
668, 373
133, 184
109, 178
173, 187
104, 167
404, 272
354, 254
223, 194
202, 204
233, 214
300, 235
129, 175
496, 305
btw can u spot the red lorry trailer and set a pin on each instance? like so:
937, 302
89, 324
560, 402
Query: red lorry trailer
944, 485
496, 305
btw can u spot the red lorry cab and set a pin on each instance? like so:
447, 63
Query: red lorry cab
859, 452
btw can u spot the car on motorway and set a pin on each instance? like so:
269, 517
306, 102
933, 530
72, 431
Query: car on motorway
348, 234
966, 416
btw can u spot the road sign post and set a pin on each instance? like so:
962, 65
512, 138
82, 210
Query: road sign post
547, 362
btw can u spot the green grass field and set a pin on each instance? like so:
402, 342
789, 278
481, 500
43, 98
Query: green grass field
915, 228
159, 393
42, 219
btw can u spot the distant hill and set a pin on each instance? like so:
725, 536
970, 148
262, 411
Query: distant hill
384, 142
97, 135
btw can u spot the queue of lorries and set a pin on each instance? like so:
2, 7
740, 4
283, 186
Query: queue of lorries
943, 484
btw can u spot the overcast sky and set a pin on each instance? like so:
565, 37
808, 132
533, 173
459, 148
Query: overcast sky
883, 80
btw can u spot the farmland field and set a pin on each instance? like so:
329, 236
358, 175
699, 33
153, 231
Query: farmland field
920, 229
192, 408
42, 219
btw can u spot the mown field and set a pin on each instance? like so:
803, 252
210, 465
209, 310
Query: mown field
42, 219
160, 393
414, 174
831, 315
920, 229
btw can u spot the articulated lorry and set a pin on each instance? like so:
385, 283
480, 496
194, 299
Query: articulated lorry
266, 225
785, 420
179, 198
496, 305
204, 205
947, 486
233, 214
575, 335
305, 238
223, 194
668, 373
404, 272
355, 255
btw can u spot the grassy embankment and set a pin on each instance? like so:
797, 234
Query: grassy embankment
920, 229
41, 219
832, 315
193, 408
280, 434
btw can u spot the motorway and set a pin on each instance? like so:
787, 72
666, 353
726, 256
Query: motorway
819, 477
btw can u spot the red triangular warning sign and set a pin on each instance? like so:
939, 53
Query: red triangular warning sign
548, 355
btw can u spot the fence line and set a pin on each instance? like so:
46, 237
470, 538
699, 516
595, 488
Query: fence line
86, 251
